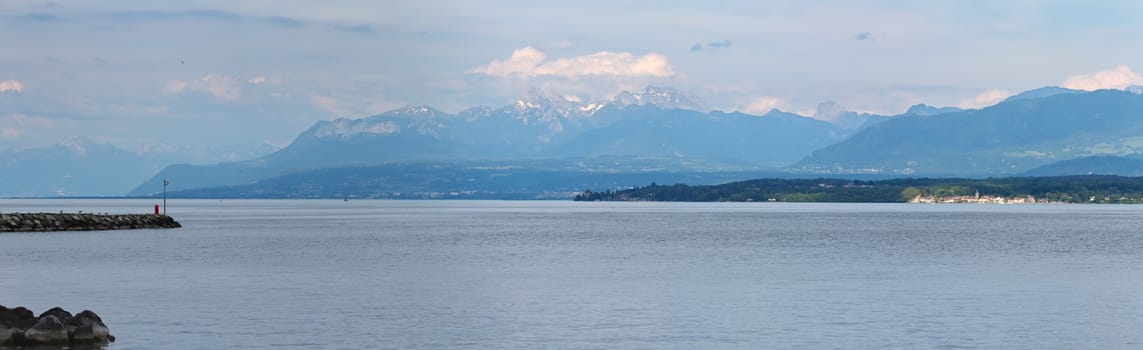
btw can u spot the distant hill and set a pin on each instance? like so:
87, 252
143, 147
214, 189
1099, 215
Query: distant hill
926, 110
513, 179
1006, 139
1043, 92
1094, 165
1069, 189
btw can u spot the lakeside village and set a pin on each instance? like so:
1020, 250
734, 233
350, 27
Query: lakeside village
978, 199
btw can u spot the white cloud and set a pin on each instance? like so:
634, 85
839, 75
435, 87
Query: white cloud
1116, 78
174, 87
223, 87
763, 105
11, 85
522, 62
529, 62
220, 86
985, 99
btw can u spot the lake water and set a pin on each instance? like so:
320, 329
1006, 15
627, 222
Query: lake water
524, 275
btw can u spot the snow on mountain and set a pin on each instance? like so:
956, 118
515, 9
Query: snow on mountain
542, 108
665, 98
544, 112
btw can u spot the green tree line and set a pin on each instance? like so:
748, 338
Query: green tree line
1072, 189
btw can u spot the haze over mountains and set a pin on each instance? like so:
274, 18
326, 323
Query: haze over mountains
654, 124
83, 167
1006, 139
658, 131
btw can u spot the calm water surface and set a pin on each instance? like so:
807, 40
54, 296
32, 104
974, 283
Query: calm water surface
491, 274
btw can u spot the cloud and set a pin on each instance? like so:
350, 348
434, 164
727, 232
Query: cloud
220, 86
529, 62
863, 36
985, 99
203, 15
522, 62
832, 112
719, 44
17, 125
142, 16
285, 22
10, 133
11, 85
39, 17
763, 105
19, 119
357, 29
256, 80
1116, 78
329, 104
714, 46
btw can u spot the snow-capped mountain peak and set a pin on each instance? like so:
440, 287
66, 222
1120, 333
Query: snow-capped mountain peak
419, 110
538, 99
667, 98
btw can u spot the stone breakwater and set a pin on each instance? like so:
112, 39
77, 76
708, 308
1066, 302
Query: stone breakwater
20, 327
38, 222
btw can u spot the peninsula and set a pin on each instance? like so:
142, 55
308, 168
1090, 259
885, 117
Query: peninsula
1024, 190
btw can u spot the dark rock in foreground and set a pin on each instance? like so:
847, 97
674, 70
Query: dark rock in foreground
48, 330
19, 327
38, 222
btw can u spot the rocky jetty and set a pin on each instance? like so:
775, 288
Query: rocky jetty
21, 327
38, 222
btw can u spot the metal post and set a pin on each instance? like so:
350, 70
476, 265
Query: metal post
165, 183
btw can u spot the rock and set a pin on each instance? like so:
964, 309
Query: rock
19, 327
59, 313
19, 317
49, 330
83, 335
5, 314
99, 331
6, 335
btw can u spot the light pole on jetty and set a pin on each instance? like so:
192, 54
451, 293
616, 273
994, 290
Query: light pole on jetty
165, 183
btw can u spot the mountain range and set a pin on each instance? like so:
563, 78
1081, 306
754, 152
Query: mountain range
658, 131
1006, 139
653, 123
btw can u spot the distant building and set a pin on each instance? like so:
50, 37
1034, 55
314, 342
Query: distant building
977, 199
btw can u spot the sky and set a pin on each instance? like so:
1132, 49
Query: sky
163, 76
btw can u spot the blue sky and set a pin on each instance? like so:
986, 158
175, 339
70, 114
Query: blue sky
155, 76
